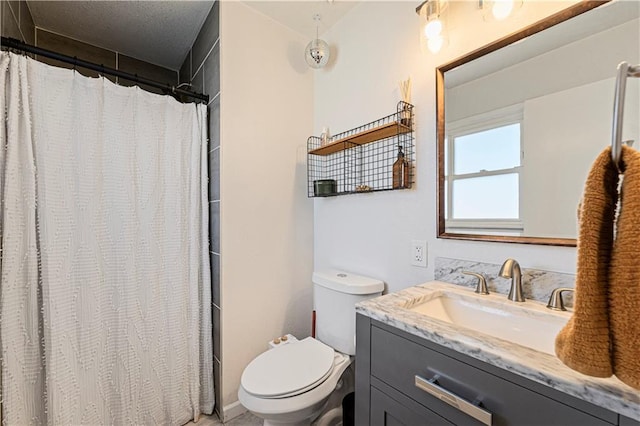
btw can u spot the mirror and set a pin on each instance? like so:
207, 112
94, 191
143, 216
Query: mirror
521, 120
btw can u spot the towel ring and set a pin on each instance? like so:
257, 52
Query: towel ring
624, 70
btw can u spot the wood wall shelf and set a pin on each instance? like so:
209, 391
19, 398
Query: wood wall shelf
372, 135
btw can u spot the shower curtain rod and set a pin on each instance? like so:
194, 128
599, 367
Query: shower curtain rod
12, 43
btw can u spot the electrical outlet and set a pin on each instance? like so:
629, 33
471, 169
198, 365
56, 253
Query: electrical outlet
419, 253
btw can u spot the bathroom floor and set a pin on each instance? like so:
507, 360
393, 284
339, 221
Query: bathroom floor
246, 419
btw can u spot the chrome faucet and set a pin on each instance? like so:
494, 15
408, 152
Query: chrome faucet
555, 300
481, 286
511, 269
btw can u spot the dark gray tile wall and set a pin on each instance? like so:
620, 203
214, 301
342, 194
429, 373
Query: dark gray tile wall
216, 333
147, 70
108, 58
71, 47
201, 68
16, 22
184, 75
215, 278
208, 35
212, 72
15, 5
214, 223
27, 28
214, 170
217, 368
197, 81
214, 123
10, 21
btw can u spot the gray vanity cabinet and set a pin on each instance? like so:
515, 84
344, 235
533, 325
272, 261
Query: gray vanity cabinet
626, 421
402, 379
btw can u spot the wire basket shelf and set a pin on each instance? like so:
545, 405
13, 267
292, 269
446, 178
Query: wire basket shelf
361, 159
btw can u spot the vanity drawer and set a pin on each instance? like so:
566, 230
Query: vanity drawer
390, 407
401, 363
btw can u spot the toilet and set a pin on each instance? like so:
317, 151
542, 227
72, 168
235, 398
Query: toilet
292, 383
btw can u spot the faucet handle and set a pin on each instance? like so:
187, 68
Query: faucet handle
481, 287
555, 301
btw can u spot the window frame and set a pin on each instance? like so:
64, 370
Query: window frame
501, 117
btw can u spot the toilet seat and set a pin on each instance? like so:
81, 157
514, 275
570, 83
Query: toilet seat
304, 405
288, 370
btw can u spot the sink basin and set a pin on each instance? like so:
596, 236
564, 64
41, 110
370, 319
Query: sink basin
527, 324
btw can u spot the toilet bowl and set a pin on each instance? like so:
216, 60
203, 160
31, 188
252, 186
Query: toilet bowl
291, 384
295, 383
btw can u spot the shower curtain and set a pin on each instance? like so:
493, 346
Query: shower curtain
105, 300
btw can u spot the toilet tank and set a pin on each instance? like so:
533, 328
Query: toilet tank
335, 294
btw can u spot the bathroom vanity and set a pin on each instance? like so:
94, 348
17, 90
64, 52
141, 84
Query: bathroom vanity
412, 368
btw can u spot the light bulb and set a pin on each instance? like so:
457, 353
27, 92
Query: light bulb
317, 53
435, 44
433, 28
501, 9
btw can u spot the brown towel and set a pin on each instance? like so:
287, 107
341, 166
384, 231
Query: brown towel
583, 344
603, 335
624, 276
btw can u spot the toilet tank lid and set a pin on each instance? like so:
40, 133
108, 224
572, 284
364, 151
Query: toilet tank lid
346, 282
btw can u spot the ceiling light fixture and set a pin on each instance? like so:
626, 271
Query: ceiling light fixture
317, 52
498, 9
433, 23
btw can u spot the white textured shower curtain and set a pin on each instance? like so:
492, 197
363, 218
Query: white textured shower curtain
105, 301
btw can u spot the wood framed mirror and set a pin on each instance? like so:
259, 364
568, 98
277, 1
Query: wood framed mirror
520, 121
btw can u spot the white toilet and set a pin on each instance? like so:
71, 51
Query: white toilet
292, 383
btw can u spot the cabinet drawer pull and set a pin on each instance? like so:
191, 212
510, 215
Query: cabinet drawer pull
431, 387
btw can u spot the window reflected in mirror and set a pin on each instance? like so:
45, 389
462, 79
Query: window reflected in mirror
521, 120
484, 157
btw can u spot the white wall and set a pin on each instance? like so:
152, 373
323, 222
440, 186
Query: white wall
378, 45
266, 217
271, 102
569, 129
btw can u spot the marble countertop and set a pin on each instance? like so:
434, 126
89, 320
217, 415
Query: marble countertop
538, 366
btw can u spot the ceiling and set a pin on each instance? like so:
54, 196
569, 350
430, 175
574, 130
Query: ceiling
161, 32
298, 14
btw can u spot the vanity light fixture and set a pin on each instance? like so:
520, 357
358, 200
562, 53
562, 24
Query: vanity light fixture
317, 52
433, 25
498, 9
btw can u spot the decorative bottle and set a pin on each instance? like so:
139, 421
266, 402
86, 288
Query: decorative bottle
400, 171
325, 136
